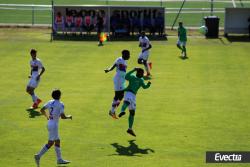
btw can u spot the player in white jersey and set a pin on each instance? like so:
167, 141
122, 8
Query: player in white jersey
37, 69
119, 80
145, 45
56, 110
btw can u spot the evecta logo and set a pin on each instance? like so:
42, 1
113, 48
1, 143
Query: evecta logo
227, 157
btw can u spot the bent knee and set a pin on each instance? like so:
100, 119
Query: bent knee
57, 143
50, 143
140, 61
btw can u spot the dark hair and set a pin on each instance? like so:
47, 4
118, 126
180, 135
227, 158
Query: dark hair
32, 51
125, 54
56, 94
139, 71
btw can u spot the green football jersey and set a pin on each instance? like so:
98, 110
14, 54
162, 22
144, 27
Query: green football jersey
135, 83
182, 32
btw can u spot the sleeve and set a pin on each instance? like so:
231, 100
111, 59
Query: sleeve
62, 109
148, 43
128, 76
40, 64
116, 62
47, 105
144, 86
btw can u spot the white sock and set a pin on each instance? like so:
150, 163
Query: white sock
34, 97
115, 104
43, 151
58, 152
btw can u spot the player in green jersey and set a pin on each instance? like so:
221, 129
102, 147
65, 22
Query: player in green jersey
182, 40
135, 82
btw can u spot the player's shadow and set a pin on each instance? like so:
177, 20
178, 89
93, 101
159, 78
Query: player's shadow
132, 150
237, 38
33, 113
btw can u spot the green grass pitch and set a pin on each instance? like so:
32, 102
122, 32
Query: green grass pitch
193, 106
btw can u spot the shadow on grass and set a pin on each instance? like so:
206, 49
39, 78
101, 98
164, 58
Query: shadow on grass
183, 58
131, 150
33, 113
238, 38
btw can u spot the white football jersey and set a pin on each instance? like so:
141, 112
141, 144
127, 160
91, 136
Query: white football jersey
144, 42
121, 65
36, 66
56, 108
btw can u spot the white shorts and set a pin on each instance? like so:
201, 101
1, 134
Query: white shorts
33, 82
119, 82
130, 97
144, 55
181, 43
53, 131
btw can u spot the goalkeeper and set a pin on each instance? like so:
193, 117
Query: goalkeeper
135, 82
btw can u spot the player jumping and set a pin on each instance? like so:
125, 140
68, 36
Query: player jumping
145, 45
182, 40
56, 110
119, 80
37, 70
135, 82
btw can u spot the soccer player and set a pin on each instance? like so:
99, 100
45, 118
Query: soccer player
56, 110
100, 27
37, 69
182, 39
135, 82
119, 80
145, 45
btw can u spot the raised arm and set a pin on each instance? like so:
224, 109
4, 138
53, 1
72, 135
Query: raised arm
146, 86
128, 75
110, 68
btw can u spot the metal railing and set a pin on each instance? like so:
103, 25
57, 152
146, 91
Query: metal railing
41, 14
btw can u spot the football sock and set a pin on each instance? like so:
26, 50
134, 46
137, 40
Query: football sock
130, 121
115, 104
147, 67
124, 106
34, 98
58, 152
184, 49
43, 150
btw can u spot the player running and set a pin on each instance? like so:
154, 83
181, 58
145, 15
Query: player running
37, 69
119, 80
145, 45
182, 40
56, 110
135, 82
